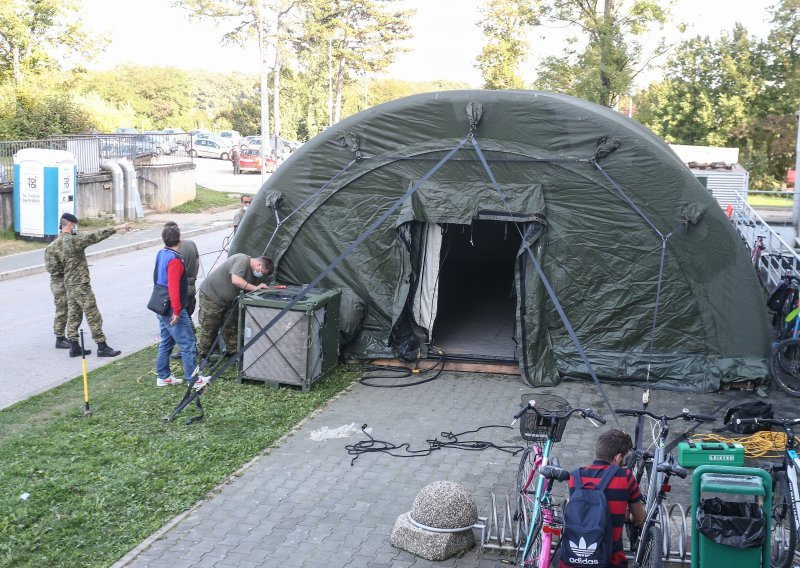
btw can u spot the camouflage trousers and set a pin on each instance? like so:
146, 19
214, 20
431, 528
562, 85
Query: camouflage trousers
211, 317
84, 303
62, 305
191, 298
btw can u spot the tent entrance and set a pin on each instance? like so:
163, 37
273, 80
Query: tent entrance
476, 304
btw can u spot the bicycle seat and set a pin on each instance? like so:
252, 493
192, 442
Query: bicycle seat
554, 472
670, 467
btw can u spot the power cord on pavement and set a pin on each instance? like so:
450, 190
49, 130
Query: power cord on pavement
450, 441
401, 373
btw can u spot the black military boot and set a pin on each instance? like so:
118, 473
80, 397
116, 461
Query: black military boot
103, 350
75, 349
62, 342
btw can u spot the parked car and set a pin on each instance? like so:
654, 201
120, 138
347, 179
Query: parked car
126, 130
231, 135
250, 160
206, 148
160, 141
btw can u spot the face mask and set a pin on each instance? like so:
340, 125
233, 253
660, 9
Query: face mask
244, 207
74, 230
258, 274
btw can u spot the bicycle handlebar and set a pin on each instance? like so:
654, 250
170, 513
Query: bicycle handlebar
685, 415
771, 421
584, 412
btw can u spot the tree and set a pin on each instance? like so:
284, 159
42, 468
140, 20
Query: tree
160, 96
614, 50
36, 111
36, 34
361, 37
727, 93
504, 24
270, 23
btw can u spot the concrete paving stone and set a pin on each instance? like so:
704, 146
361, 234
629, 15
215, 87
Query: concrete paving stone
384, 486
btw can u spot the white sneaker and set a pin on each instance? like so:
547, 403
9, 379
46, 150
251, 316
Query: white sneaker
201, 382
171, 380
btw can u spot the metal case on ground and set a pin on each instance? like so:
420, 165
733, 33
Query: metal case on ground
301, 347
692, 454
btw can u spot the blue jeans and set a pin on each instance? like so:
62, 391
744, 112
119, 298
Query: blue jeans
182, 334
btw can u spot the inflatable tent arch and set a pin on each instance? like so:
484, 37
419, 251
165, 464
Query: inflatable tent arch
490, 197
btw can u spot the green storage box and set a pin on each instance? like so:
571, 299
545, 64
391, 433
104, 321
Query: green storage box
301, 347
695, 454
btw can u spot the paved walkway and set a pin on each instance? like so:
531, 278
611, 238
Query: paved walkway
304, 504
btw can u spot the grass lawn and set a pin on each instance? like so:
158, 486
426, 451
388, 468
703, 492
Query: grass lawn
770, 200
97, 486
206, 199
9, 244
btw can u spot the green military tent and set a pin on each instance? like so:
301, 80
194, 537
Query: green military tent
491, 224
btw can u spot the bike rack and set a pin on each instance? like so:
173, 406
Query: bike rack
501, 535
494, 534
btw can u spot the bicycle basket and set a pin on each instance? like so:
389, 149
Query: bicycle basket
535, 428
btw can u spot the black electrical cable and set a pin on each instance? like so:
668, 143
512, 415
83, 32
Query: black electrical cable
405, 372
373, 446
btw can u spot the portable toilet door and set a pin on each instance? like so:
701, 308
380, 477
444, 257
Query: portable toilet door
45, 183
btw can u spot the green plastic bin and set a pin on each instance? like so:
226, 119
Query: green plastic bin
730, 480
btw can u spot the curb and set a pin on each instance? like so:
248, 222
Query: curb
19, 273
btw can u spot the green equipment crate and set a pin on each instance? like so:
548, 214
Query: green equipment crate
301, 347
730, 480
694, 454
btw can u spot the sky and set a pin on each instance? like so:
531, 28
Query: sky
445, 44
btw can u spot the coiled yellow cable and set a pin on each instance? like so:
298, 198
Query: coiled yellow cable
759, 445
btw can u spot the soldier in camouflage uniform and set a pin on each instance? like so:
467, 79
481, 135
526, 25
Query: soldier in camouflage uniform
56, 270
79, 289
218, 294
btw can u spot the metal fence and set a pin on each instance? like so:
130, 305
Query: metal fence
778, 257
90, 150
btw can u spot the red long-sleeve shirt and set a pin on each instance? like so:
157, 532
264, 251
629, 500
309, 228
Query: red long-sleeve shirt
175, 272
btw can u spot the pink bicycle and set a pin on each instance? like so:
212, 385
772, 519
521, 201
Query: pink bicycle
539, 520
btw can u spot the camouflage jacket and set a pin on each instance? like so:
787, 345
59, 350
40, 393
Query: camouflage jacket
73, 255
52, 260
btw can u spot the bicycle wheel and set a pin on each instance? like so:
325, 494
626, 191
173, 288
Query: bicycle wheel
525, 499
783, 528
785, 366
652, 547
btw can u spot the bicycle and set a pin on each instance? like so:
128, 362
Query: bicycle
644, 541
544, 418
785, 495
785, 363
758, 248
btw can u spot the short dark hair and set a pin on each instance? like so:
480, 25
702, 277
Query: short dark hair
269, 266
170, 224
171, 235
67, 218
250, 197
612, 442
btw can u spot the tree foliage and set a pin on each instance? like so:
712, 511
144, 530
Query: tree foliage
601, 62
363, 37
505, 24
40, 110
737, 91
37, 35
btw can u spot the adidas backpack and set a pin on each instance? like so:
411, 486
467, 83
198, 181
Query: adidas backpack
587, 539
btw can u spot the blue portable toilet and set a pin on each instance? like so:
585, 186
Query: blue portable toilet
45, 183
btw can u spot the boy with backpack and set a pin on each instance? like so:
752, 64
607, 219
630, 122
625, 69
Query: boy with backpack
601, 495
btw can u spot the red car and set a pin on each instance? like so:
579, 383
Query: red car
250, 160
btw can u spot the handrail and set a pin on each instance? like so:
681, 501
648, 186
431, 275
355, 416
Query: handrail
779, 257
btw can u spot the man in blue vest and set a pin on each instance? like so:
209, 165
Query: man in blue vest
176, 326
